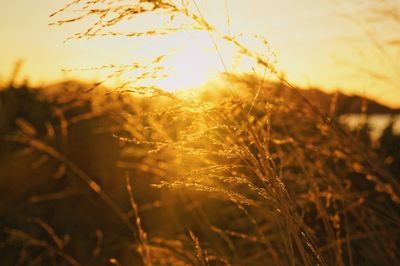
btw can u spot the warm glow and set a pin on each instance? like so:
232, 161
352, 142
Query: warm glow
200, 132
190, 64
194, 58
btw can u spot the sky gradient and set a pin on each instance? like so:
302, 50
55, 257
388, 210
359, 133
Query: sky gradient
315, 45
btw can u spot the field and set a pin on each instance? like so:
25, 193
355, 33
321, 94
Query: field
253, 172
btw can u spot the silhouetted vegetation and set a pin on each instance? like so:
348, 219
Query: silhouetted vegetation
251, 173
51, 213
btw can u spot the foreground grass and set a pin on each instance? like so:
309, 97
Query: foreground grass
251, 175
98, 178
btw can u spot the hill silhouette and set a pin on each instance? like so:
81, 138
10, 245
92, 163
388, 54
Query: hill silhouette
338, 102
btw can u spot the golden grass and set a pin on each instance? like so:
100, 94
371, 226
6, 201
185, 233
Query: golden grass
264, 178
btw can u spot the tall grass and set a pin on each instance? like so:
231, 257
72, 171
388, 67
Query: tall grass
252, 175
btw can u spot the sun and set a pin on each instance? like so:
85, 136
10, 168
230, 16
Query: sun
190, 63
190, 60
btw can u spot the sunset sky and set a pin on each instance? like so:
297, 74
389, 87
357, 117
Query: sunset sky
314, 44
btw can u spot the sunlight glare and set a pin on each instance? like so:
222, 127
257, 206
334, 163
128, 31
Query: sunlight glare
191, 64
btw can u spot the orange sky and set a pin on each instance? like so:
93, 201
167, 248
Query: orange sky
314, 45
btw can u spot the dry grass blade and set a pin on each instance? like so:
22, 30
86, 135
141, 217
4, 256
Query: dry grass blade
144, 248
